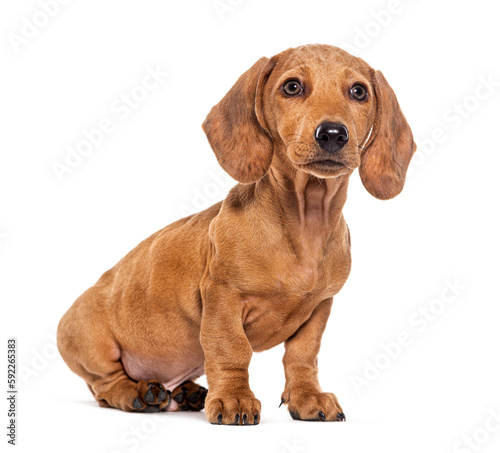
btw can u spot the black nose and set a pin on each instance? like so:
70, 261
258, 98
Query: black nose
331, 137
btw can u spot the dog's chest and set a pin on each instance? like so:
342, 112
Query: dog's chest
273, 315
270, 321
281, 279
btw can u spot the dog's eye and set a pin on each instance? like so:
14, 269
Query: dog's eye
292, 88
359, 92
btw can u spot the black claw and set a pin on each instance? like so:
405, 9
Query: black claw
341, 417
219, 419
321, 416
282, 401
256, 419
244, 421
149, 397
136, 404
236, 419
294, 415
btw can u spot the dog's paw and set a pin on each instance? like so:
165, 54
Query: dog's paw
310, 406
152, 397
189, 396
227, 409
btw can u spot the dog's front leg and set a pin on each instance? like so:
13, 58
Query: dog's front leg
227, 357
303, 394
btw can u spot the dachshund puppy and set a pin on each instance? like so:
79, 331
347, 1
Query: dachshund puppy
257, 269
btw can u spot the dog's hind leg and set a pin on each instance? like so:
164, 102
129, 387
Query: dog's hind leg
91, 352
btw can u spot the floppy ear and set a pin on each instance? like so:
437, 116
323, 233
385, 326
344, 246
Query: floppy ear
235, 126
386, 157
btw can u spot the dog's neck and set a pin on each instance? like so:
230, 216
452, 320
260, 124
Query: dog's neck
311, 207
310, 202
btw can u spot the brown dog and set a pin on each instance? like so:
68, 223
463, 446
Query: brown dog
261, 267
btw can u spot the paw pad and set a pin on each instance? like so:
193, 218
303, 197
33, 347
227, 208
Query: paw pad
190, 396
153, 397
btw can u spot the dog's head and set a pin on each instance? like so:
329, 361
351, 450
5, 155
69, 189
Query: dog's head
323, 110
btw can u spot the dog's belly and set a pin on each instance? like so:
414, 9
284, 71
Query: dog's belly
170, 373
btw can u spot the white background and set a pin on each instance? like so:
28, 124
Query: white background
58, 237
